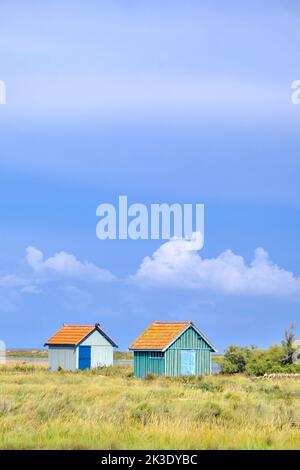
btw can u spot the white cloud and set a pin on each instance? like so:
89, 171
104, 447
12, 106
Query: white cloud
11, 280
65, 265
174, 264
11, 285
31, 289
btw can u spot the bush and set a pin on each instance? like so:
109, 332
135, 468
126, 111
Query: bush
227, 367
285, 369
209, 412
263, 361
150, 376
235, 359
254, 361
208, 386
257, 362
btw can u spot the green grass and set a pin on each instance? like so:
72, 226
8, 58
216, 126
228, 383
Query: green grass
109, 409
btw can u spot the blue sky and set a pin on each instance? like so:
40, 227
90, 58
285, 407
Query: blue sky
164, 102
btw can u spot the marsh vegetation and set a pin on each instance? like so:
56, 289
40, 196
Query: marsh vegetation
109, 409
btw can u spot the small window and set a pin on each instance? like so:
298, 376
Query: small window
156, 354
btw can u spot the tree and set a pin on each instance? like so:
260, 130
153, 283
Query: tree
288, 344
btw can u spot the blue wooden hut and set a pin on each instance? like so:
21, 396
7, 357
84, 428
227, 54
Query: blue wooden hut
172, 349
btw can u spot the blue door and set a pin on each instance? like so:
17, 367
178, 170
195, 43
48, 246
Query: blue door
84, 357
188, 362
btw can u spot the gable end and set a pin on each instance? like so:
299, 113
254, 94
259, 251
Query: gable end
101, 333
191, 338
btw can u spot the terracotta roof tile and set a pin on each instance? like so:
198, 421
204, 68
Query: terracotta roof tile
74, 334
159, 335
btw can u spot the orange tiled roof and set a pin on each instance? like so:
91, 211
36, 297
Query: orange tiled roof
73, 334
159, 335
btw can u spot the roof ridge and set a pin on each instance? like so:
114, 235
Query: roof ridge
84, 326
166, 322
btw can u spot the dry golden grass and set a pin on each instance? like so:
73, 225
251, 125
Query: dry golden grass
108, 409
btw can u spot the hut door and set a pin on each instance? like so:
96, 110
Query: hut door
188, 362
84, 357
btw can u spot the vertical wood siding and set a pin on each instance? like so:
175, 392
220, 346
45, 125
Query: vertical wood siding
101, 356
62, 356
144, 364
189, 340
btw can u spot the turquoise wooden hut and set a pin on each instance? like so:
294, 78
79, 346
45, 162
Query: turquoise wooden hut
172, 349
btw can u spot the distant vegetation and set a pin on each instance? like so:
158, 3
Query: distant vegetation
127, 355
254, 361
109, 409
43, 353
30, 353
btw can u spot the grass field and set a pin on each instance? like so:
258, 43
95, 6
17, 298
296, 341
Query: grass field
109, 409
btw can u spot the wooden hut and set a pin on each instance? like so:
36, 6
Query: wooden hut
172, 349
80, 347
